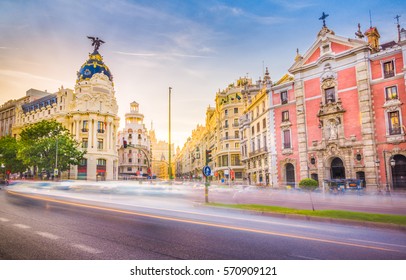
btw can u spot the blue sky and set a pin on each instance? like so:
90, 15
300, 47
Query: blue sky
195, 47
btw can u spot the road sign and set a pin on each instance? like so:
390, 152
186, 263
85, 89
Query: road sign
206, 171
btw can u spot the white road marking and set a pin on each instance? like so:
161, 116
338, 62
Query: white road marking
87, 249
303, 257
4, 220
22, 226
47, 235
380, 243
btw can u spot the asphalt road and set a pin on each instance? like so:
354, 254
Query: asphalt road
38, 227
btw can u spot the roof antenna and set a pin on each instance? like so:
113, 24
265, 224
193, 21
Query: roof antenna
370, 19
397, 19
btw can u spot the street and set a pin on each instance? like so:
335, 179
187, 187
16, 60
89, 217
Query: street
47, 224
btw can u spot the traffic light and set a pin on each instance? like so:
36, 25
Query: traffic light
208, 156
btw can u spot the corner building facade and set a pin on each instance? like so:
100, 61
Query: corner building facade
89, 113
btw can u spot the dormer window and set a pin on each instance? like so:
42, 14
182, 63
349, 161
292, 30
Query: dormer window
326, 48
388, 69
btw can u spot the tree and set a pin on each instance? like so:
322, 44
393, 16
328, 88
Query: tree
8, 152
309, 185
48, 145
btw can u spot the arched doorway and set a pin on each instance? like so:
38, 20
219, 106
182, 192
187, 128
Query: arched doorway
337, 169
399, 172
290, 174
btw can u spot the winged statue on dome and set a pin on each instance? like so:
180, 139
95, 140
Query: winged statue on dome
96, 42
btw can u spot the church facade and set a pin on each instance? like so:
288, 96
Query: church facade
349, 111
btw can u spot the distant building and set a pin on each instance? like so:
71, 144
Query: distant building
160, 157
134, 151
7, 110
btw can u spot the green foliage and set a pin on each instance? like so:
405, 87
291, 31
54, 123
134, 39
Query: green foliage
308, 184
43, 143
8, 152
335, 214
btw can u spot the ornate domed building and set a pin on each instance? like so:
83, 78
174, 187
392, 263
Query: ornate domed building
90, 114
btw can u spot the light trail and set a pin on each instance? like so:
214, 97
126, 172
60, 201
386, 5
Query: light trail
294, 236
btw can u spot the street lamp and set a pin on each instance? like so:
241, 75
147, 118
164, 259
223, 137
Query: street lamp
392, 164
170, 163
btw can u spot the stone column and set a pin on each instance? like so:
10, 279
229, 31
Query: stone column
367, 121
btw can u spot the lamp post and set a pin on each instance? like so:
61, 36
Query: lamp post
170, 156
392, 164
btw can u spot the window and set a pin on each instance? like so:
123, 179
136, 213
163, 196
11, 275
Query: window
139, 136
394, 124
253, 129
130, 136
235, 123
264, 141
85, 143
225, 112
284, 97
259, 143
130, 160
330, 95
263, 106
391, 93
129, 169
236, 134
100, 144
236, 145
264, 123
226, 135
285, 116
388, 69
100, 127
286, 139
101, 162
226, 124
235, 110
85, 126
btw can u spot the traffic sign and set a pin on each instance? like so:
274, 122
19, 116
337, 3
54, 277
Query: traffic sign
206, 171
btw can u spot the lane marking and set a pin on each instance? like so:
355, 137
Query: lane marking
4, 220
47, 235
87, 249
294, 236
22, 226
380, 243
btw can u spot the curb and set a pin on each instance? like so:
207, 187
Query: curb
317, 219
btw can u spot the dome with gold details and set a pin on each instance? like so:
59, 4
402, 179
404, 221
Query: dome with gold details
92, 66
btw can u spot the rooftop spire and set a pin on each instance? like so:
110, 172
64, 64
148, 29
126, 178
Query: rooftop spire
398, 26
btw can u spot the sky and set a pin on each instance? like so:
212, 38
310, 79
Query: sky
194, 47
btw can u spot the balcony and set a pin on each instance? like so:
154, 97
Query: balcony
395, 130
258, 151
100, 131
85, 129
388, 74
